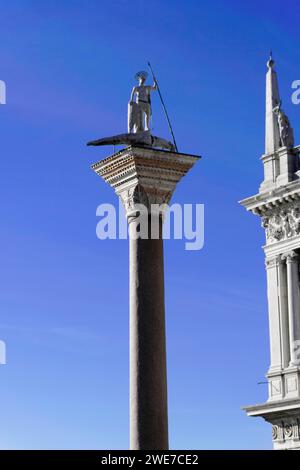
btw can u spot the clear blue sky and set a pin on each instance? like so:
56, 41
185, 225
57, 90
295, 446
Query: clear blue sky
69, 70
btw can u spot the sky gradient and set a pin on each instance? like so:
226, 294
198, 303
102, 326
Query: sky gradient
69, 69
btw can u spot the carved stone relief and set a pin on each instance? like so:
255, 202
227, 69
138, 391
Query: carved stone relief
281, 223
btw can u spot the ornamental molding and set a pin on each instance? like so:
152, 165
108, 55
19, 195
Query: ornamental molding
286, 429
274, 432
273, 197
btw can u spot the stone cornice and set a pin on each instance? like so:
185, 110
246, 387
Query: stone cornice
274, 407
282, 246
262, 202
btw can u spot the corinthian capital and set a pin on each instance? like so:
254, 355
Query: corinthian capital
289, 257
133, 198
271, 262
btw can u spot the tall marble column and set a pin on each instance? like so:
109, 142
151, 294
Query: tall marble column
148, 372
272, 267
144, 178
283, 310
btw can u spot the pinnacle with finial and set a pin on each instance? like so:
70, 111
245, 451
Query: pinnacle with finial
271, 61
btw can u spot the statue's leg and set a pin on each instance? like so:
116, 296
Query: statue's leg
140, 120
148, 115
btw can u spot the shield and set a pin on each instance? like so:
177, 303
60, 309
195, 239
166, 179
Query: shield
134, 117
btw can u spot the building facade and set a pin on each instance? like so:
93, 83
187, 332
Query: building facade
278, 205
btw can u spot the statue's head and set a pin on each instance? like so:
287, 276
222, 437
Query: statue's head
141, 77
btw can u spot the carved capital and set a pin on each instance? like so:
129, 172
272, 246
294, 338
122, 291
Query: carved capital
272, 262
289, 257
144, 176
138, 199
133, 197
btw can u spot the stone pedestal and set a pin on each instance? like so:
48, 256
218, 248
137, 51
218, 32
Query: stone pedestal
271, 171
280, 167
288, 165
145, 178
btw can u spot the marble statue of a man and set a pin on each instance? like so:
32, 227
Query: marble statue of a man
139, 107
139, 114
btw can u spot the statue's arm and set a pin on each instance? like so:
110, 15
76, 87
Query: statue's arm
151, 87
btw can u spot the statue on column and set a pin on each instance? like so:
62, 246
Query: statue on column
139, 110
285, 130
139, 115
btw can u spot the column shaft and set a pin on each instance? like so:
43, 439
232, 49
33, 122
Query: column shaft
148, 376
293, 302
274, 315
284, 320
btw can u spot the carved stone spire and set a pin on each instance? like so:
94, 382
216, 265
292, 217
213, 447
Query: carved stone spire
272, 101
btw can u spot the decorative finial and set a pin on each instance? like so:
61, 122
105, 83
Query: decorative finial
270, 62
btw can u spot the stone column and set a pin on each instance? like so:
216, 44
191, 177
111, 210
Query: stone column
147, 177
293, 300
148, 373
284, 316
272, 267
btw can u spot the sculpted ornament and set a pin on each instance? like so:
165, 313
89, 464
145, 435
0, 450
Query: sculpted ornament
132, 196
136, 196
288, 430
285, 130
274, 432
281, 224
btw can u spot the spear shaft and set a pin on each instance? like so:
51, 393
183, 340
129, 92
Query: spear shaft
164, 107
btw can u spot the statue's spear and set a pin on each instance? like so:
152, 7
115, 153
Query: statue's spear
164, 107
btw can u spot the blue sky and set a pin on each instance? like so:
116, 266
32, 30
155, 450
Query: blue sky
69, 69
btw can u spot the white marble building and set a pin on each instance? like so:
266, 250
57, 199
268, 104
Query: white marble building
278, 205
